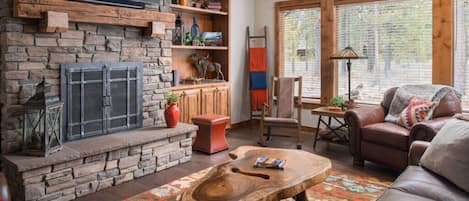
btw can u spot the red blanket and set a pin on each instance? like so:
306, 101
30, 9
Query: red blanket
257, 60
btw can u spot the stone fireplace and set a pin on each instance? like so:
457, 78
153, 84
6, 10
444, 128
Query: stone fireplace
29, 55
112, 79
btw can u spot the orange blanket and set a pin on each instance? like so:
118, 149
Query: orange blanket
257, 60
258, 98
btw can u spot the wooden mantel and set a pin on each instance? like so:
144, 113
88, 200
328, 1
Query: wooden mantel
92, 13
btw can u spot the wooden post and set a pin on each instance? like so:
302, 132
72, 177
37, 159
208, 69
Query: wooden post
329, 72
156, 29
53, 22
443, 42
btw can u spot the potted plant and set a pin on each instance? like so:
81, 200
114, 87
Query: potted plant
172, 113
338, 104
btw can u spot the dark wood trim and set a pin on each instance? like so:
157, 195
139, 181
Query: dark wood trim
329, 72
278, 43
297, 4
345, 2
443, 42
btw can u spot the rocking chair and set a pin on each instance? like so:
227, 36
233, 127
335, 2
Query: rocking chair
282, 99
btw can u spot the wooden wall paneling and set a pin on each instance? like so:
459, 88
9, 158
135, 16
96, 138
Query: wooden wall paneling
182, 62
91, 13
220, 57
443, 42
223, 57
204, 21
225, 5
329, 72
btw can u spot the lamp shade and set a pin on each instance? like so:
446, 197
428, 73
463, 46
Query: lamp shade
346, 53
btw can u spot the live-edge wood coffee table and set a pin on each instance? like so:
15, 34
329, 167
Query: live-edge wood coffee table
239, 180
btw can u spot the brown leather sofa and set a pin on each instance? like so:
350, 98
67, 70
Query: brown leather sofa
419, 184
373, 139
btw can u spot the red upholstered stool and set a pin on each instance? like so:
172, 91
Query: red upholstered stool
211, 135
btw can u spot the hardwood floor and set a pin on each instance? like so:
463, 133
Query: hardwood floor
339, 155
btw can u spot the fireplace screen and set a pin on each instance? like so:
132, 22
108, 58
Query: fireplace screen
101, 98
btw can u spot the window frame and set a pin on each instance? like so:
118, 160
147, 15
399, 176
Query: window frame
279, 61
442, 43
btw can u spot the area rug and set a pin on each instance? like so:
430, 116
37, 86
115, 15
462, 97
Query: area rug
337, 187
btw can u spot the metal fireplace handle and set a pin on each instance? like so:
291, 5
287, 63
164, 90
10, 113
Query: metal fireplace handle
107, 101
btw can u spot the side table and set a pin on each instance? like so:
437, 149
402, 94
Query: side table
325, 112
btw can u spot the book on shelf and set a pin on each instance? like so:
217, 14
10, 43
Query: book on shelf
272, 163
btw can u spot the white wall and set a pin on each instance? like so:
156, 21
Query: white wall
241, 16
257, 14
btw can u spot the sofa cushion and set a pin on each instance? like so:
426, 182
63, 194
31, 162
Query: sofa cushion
387, 134
397, 195
420, 182
447, 154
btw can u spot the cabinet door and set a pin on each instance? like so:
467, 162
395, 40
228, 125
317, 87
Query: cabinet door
208, 101
189, 104
222, 101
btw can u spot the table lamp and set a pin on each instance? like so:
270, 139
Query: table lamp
347, 54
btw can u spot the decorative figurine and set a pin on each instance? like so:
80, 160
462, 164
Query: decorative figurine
203, 65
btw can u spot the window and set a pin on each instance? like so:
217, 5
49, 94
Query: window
301, 42
461, 47
396, 36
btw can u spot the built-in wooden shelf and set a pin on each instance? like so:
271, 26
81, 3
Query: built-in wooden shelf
199, 47
193, 10
198, 86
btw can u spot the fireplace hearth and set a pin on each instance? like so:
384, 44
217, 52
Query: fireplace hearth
101, 98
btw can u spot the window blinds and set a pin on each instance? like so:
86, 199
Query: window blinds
301, 29
461, 47
395, 35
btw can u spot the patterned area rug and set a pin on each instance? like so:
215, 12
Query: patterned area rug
337, 187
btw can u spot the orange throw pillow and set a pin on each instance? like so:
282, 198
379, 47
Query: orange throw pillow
417, 111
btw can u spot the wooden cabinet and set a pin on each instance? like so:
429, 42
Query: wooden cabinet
189, 104
222, 101
208, 101
204, 100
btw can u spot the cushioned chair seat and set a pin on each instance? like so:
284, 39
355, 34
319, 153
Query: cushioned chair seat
280, 122
387, 134
426, 185
396, 195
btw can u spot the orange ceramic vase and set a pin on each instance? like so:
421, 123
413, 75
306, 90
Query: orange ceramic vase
171, 115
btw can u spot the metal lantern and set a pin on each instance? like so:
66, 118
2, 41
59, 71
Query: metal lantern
178, 36
42, 123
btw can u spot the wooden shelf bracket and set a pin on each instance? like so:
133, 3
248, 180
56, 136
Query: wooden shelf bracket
54, 22
155, 30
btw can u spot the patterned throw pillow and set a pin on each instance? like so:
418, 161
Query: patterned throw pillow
417, 111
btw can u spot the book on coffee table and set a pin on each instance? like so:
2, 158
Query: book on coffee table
273, 163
